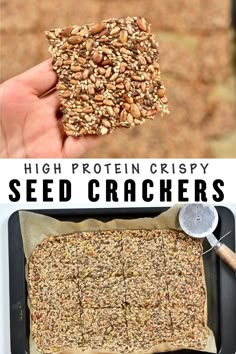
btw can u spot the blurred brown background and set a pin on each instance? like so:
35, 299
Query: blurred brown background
196, 62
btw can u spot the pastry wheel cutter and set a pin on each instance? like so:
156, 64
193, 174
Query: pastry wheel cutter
199, 221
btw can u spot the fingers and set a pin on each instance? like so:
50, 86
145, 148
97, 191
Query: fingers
52, 100
41, 78
76, 147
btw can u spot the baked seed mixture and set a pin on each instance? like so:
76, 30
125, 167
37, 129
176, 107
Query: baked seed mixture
84, 291
109, 75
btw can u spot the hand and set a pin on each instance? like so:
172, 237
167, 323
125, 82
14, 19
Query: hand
31, 125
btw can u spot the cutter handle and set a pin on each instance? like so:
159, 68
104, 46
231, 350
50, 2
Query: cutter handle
226, 254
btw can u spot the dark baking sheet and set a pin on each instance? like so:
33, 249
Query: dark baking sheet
221, 284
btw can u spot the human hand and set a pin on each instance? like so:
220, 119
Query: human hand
31, 125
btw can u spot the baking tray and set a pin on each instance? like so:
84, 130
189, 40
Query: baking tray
221, 284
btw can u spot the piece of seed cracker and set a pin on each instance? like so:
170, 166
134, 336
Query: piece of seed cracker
109, 75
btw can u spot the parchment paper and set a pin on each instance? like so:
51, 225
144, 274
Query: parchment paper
36, 227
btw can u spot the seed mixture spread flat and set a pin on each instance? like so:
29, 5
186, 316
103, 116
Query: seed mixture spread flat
122, 291
109, 75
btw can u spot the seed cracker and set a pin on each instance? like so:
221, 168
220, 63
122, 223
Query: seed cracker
109, 75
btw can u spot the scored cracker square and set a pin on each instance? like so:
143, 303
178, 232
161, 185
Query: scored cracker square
187, 292
145, 292
60, 263
52, 300
140, 252
147, 327
50, 338
190, 336
99, 255
182, 254
103, 292
109, 75
105, 329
